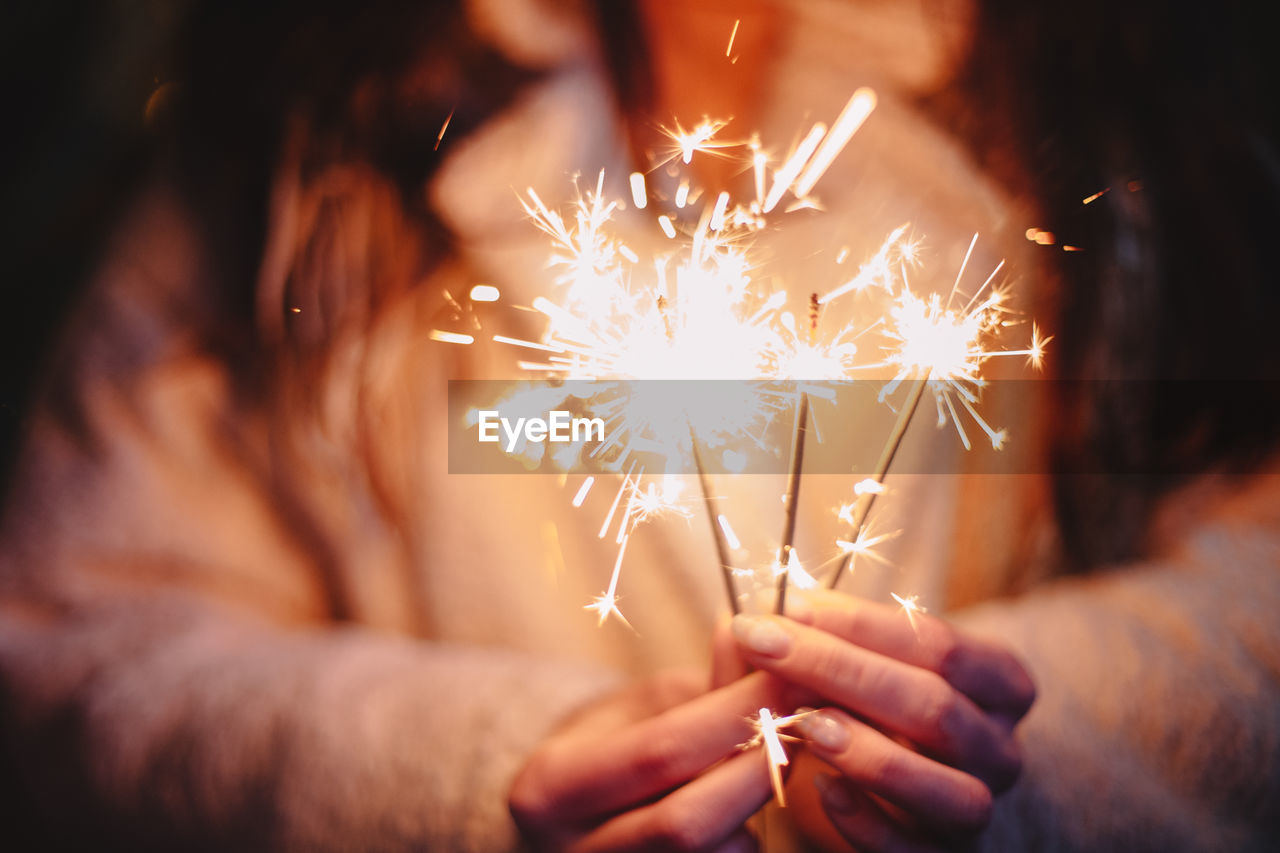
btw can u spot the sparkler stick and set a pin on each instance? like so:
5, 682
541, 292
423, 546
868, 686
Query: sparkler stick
882, 468
713, 517
798, 436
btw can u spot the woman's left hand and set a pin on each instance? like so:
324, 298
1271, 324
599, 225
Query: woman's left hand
918, 717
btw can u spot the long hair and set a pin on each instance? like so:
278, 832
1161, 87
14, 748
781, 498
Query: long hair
1163, 318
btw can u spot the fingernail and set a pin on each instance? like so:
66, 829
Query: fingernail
824, 730
835, 797
761, 634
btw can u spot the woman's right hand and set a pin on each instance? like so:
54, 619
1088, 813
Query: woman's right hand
653, 767
917, 717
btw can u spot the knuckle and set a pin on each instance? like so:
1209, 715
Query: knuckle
672, 686
882, 766
1024, 687
853, 624
680, 829
950, 652
661, 756
1020, 688
1009, 767
528, 799
943, 714
832, 670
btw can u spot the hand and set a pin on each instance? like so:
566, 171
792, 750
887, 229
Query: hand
655, 767
920, 723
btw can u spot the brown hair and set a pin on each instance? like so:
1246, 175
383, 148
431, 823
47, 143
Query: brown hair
1163, 317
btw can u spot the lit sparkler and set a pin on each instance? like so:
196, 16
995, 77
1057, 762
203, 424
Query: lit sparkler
769, 734
694, 309
792, 499
910, 606
941, 349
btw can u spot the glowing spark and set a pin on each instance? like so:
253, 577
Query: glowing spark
769, 734
879, 269
717, 214
697, 309
682, 194
910, 606
790, 170
968, 253
687, 142
936, 340
639, 194
443, 128
864, 545
582, 491
947, 346
732, 35
451, 337
797, 576
613, 508
652, 500
759, 160
503, 339
855, 112
606, 604
485, 293
1035, 352
1099, 194
730, 537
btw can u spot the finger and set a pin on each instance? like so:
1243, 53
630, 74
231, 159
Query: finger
575, 777
984, 671
726, 662
906, 700
941, 796
702, 815
862, 822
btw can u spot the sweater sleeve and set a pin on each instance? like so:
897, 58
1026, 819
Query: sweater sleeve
171, 674
1157, 725
165, 722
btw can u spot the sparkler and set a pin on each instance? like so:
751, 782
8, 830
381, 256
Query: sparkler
693, 309
792, 499
698, 313
769, 734
719, 533
943, 348
911, 606
868, 497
